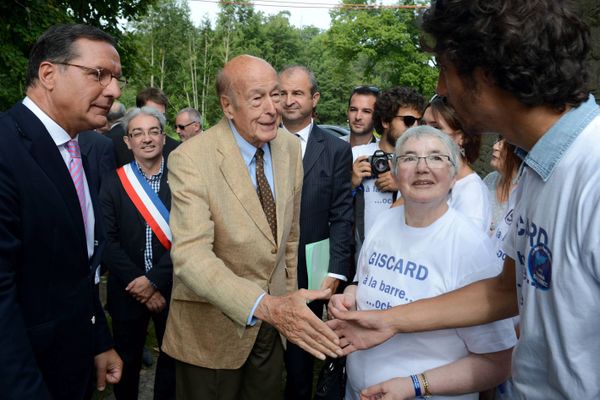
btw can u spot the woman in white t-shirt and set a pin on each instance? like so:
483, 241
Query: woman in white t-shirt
469, 194
501, 182
423, 249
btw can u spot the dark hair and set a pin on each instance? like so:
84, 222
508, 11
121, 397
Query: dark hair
314, 86
471, 142
151, 94
536, 50
391, 100
364, 90
56, 45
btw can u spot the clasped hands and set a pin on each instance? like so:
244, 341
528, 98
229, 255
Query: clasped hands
143, 291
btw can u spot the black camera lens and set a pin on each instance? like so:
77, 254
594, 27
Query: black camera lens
379, 162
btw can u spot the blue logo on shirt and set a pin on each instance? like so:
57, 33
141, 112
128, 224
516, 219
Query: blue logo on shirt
540, 266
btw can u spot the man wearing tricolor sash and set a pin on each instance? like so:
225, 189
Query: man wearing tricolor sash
136, 200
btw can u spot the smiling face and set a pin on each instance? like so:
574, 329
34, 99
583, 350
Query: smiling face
77, 100
253, 99
297, 101
142, 138
420, 184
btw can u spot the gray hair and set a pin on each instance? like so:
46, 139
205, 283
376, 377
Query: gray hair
135, 111
116, 112
429, 131
192, 113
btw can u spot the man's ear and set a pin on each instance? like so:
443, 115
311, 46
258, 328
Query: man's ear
315, 99
47, 74
227, 106
126, 139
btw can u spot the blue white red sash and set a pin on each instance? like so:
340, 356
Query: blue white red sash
147, 202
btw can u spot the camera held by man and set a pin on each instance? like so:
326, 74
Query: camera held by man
379, 162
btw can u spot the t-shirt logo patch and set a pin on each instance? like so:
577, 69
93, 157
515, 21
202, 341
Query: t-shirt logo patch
540, 266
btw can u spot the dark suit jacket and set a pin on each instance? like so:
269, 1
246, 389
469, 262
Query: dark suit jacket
123, 155
124, 254
326, 208
100, 153
51, 320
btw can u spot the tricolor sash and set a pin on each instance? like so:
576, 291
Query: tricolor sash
147, 202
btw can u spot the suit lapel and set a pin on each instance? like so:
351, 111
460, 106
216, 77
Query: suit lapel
236, 176
314, 148
281, 162
46, 154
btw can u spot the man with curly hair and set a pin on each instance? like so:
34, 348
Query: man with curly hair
519, 68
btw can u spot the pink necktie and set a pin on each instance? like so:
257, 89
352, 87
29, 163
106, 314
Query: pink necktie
76, 170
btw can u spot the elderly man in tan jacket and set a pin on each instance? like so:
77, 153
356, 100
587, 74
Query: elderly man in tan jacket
234, 216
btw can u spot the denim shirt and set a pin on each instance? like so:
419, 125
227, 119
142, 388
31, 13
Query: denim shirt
551, 147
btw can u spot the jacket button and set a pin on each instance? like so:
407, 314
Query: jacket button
274, 250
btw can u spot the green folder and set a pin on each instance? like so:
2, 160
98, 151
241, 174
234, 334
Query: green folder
317, 263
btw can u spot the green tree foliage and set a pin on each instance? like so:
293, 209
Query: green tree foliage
21, 22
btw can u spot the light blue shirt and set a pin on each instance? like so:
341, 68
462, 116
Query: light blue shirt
550, 148
248, 152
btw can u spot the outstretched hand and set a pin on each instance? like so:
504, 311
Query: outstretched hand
359, 330
291, 316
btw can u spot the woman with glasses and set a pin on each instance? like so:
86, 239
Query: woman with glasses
422, 249
469, 195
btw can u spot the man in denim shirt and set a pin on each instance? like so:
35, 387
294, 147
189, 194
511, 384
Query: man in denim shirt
518, 68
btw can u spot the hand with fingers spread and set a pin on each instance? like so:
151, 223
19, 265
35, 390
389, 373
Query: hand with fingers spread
361, 169
359, 330
291, 316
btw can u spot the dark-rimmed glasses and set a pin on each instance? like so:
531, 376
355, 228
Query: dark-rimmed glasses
103, 76
433, 161
408, 120
182, 127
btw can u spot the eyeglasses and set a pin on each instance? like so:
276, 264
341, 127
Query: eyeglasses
140, 133
437, 97
182, 127
103, 76
433, 161
368, 89
408, 120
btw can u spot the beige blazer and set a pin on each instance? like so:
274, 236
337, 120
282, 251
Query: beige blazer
224, 255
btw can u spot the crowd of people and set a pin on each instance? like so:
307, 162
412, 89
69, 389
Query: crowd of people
437, 283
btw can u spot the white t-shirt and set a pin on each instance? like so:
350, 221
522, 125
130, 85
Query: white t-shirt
555, 242
470, 196
376, 201
399, 264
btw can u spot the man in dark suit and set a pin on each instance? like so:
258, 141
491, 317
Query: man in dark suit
326, 208
100, 153
51, 235
139, 281
151, 97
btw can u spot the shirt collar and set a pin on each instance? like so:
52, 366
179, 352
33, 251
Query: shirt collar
246, 149
552, 146
58, 134
303, 133
155, 176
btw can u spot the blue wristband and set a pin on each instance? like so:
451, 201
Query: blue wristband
416, 385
